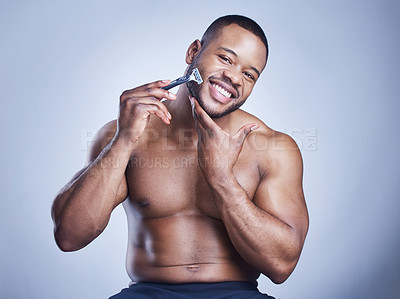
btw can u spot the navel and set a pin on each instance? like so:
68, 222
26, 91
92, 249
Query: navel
193, 268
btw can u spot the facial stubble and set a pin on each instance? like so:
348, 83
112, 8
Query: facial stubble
195, 91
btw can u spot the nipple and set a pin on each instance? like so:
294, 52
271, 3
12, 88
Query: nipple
143, 203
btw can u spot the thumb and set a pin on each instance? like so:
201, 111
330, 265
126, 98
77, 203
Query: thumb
245, 130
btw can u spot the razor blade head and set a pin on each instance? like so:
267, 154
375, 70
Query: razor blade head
196, 76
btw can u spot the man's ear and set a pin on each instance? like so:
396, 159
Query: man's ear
192, 51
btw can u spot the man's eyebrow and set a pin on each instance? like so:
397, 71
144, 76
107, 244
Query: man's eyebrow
234, 54
228, 50
257, 71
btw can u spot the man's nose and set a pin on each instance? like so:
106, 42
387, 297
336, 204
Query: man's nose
234, 74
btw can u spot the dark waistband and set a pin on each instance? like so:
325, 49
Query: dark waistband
200, 286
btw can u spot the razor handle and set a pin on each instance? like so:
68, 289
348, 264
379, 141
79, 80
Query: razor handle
177, 82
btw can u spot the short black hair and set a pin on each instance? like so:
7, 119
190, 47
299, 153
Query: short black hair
246, 23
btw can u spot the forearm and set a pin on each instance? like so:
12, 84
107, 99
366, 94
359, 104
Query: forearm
82, 209
264, 241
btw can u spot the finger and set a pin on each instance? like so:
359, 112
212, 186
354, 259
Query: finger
155, 84
151, 90
154, 101
165, 118
155, 92
199, 126
154, 109
202, 117
145, 101
159, 83
244, 131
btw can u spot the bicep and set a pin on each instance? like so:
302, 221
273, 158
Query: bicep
101, 140
280, 191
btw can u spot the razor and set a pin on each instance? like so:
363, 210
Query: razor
194, 76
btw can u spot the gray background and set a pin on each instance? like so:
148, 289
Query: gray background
331, 83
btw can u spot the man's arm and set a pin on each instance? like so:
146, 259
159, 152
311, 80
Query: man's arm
269, 230
83, 207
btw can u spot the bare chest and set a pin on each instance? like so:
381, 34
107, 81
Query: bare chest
165, 182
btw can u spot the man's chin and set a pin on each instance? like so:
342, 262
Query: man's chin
196, 91
214, 113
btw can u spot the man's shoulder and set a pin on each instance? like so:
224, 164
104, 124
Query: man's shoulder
111, 126
266, 144
106, 132
103, 136
265, 137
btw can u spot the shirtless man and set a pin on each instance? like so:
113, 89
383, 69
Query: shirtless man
213, 196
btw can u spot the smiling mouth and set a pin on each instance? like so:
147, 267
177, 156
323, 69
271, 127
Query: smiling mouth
221, 90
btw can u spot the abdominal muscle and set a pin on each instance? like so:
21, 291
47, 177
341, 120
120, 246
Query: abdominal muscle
182, 248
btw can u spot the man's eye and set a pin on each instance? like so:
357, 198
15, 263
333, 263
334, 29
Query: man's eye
225, 59
250, 76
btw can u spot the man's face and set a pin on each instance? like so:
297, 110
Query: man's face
230, 66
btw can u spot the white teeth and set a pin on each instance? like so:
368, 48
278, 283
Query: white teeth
222, 91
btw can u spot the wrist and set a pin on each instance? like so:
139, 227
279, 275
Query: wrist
125, 142
229, 195
216, 167
222, 181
